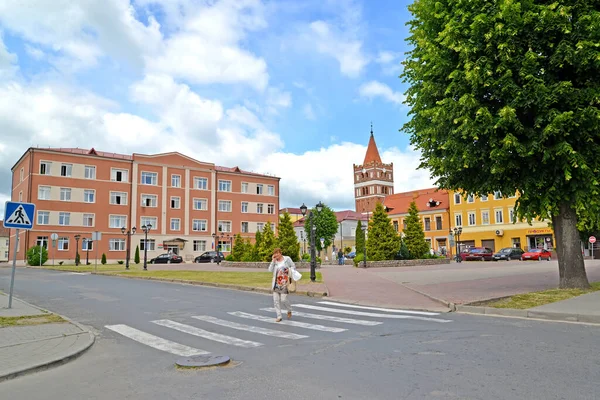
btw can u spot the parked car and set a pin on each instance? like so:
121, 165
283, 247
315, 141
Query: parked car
352, 254
167, 259
209, 257
480, 254
537, 254
508, 253
464, 253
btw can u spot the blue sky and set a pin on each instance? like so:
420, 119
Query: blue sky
287, 87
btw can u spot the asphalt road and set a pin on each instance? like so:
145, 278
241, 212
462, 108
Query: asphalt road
469, 357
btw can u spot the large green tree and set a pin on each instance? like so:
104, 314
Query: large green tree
239, 248
383, 241
267, 244
286, 237
414, 235
505, 96
327, 226
359, 238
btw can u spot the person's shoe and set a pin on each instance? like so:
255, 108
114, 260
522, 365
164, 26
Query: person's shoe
289, 315
278, 319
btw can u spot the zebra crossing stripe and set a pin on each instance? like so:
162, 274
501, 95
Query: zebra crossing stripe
392, 310
156, 342
367, 314
249, 328
287, 322
192, 330
331, 318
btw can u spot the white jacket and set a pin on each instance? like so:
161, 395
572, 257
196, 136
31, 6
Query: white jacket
287, 262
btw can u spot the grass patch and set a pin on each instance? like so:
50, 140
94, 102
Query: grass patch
30, 320
90, 268
535, 299
251, 279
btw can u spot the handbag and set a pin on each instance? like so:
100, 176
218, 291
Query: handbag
292, 286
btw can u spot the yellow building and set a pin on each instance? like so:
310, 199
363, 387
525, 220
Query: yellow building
487, 221
295, 213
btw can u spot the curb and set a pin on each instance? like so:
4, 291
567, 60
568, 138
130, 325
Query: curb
217, 285
448, 304
382, 305
541, 315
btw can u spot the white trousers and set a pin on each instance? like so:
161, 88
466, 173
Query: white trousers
279, 298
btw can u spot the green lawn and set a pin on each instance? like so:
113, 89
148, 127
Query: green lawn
30, 320
535, 299
90, 268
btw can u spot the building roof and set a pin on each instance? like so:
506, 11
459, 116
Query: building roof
291, 210
425, 199
4, 232
347, 215
372, 155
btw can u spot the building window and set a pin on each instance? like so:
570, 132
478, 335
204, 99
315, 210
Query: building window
200, 204
149, 178
403, 224
116, 245
224, 186
260, 226
43, 217
395, 223
471, 218
175, 202
511, 215
176, 181
224, 226
245, 228
225, 246
118, 198
149, 200
427, 223
87, 245
512, 196
270, 208
151, 244
201, 183
259, 208
88, 220
119, 175
244, 187
259, 188
64, 218
244, 207
21, 174
499, 216
485, 217
117, 221
457, 198
65, 194
43, 192
175, 224
21, 196
199, 225
66, 170
458, 219
90, 172
42, 241
45, 167
470, 199
199, 245
152, 221
438, 223
484, 197
63, 244
497, 195
225, 205
89, 196
271, 190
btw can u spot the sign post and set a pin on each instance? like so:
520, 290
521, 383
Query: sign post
96, 236
592, 240
54, 237
19, 216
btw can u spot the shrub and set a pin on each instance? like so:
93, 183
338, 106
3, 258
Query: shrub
77, 259
306, 256
359, 259
229, 257
103, 261
136, 257
33, 255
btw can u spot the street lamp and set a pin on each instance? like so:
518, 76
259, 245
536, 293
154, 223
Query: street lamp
87, 250
457, 233
77, 237
146, 229
128, 234
365, 228
313, 228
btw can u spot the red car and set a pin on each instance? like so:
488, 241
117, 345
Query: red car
479, 254
537, 254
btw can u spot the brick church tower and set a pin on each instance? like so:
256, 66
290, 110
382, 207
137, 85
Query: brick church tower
373, 180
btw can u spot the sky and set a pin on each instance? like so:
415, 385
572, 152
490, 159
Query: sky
284, 87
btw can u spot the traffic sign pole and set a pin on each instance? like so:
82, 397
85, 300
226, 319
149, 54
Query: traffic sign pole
592, 240
14, 268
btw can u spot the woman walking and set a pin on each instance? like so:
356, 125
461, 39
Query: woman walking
283, 269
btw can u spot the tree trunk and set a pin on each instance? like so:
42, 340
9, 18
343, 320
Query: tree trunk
571, 267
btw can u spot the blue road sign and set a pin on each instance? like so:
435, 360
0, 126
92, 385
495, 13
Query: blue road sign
19, 215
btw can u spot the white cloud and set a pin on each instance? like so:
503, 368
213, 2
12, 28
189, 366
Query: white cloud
309, 113
390, 62
34, 52
8, 61
278, 98
375, 89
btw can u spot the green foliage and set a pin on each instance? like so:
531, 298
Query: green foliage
358, 260
306, 256
103, 261
267, 244
403, 254
327, 226
414, 234
136, 257
383, 240
229, 257
239, 249
286, 237
33, 255
359, 238
77, 259
347, 249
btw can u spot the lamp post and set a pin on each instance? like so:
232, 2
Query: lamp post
77, 237
457, 233
128, 234
313, 228
146, 229
87, 250
365, 228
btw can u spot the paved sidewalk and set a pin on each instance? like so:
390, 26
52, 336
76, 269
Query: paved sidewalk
30, 348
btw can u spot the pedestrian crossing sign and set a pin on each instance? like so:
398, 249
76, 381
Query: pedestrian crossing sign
19, 215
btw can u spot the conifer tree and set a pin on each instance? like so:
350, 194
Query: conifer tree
359, 238
383, 241
268, 243
287, 239
415, 236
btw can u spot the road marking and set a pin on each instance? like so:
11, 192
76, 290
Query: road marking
249, 328
366, 314
192, 330
331, 318
286, 322
77, 273
393, 310
156, 342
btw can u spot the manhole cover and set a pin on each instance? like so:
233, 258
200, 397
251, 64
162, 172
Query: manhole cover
203, 361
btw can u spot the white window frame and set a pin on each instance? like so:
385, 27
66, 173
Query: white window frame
247, 225
21, 174
246, 204
144, 221
457, 198
511, 215
224, 205
199, 245
425, 224
116, 244
87, 192
497, 195
259, 188
113, 218
484, 197
472, 218
483, 219
271, 209
200, 183
124, 174
501, 211
66, 217
151, 244
470, 198
47, 167
177, 201
87, 244
113, 198
153, 200
45, 217
441, 228
271, 190
225, 246
202, 225
221, 224
260, 208
90, 172
245, 187
175, 180
46, 190
87, 217
68, 170
458, 219
201, 202
174, 221
260, 226
65, 194
60, 244
224, 185
149, 174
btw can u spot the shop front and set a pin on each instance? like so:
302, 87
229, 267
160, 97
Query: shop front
540, 238
174, 246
